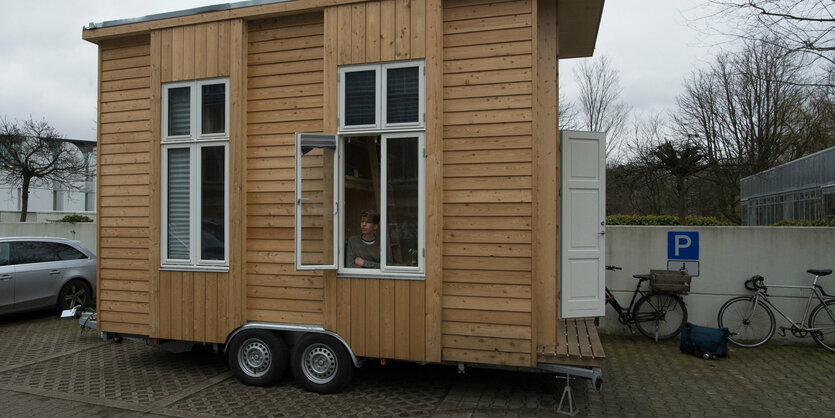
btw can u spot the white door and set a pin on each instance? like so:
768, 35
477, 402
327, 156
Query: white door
582, 224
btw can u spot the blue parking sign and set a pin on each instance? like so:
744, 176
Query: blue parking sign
682, 245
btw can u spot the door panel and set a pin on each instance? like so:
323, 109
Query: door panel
38, 274
583, 240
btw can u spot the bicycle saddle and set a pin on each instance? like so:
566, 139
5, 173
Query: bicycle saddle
826, 272
643, 277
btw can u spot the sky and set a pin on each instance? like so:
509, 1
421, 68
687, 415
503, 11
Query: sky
49, 73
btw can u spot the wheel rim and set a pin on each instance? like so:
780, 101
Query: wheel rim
75, 296
319, 363
748, 322
660, 316
823, 320
254, 357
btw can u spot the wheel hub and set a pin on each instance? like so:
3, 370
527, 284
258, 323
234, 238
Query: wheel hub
320, 364
254, 358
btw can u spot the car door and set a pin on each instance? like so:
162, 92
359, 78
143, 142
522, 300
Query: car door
38, 274
6, 278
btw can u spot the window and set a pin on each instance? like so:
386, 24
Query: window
374, 165
382, 96
28, 252
195, 171
4, 254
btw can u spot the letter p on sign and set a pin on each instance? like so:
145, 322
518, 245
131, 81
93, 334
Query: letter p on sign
682, 245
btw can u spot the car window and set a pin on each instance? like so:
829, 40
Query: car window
4, 254
65, 252
27, 252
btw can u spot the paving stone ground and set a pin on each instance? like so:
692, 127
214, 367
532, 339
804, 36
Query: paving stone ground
47, 368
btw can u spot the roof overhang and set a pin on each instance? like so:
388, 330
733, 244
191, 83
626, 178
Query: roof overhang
578, 22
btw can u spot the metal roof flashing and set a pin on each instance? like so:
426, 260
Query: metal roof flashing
180, 13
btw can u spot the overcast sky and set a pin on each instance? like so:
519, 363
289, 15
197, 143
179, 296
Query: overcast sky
48, 72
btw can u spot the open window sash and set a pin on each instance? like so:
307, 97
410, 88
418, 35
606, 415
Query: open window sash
316, 202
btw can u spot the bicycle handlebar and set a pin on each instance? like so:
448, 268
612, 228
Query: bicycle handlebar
613, 268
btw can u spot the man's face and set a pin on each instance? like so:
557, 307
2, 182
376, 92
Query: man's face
367, 227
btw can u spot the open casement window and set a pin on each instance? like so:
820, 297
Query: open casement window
380, 172
316, 201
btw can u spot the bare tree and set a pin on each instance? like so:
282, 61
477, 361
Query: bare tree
804, 28
566, 113
32, 153
746, 113
600, 108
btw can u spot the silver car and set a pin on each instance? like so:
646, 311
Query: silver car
38, 273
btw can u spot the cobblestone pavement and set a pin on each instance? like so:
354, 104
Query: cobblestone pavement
47, 368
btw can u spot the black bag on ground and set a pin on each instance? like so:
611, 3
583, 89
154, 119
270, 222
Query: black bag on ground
704, 342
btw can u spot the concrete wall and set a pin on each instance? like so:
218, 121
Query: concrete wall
42, 216
84, 232
728, 256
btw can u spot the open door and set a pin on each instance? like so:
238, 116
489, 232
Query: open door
582, 224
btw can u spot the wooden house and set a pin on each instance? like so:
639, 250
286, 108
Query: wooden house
240, 143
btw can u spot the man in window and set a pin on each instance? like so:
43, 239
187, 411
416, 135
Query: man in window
363, 251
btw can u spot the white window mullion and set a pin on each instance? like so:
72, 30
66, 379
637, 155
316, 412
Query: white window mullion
383, 202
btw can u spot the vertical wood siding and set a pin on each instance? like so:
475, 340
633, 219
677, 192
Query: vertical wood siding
284, 96
487, 126
196, 51
124, 179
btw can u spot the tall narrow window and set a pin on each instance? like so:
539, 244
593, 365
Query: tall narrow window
195, 174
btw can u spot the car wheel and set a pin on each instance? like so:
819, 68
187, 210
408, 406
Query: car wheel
74, 293
258, 357
321, 364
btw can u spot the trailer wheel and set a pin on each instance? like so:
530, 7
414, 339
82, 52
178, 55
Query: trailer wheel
321, 364
258, 357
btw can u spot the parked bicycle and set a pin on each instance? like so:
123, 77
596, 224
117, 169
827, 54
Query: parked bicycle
751, 321
657, 315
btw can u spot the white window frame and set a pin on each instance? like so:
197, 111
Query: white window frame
194, 142
381, 96
298, 202
385, 271
196, 111
421, 120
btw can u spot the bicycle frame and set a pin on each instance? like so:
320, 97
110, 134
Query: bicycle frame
624, 315
815, 292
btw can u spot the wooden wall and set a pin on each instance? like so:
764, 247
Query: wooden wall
124, 185
487, 140
284, 96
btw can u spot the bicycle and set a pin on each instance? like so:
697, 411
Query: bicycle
657, 315
751, 323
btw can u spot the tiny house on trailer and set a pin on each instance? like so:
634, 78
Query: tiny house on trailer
241, 143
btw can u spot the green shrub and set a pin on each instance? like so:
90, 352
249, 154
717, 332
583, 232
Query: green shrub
663, 220
803, 222
75, 218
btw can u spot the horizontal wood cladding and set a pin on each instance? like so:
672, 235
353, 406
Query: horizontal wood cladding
124, 185
488, 181
378, 31
195, 306
195, 51
285, 67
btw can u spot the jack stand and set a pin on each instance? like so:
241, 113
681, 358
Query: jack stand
567, 394
461, 368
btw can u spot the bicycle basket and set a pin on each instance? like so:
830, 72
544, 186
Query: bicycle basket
670, 281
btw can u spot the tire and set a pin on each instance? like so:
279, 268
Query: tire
258, 357
748, 328
824, 319
321, 363
660, 316
75, 293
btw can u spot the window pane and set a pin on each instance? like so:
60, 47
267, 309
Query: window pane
316, 204
179, 111
178, 204
212, 186
4, 254
27, 252
65, 252
361, 185
402, 95
214, 109
402, 202
360, 98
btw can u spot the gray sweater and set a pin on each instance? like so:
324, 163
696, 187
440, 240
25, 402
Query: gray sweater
369, 252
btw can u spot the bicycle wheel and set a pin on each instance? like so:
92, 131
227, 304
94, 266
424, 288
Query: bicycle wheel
822, 318
751, 325
660, 315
